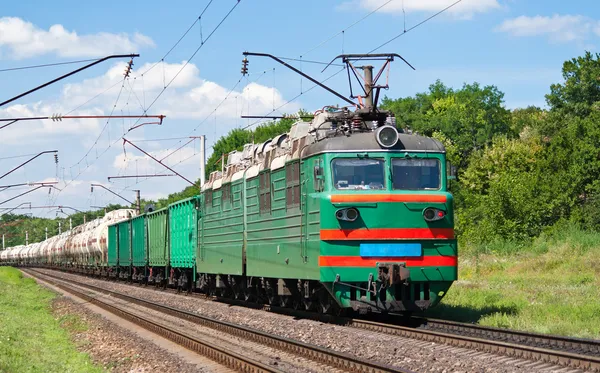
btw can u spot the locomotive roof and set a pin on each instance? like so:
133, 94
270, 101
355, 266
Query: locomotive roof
366, 141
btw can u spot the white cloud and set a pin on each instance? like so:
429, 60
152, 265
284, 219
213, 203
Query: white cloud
188, 97
464, 9
24, 40
558, 28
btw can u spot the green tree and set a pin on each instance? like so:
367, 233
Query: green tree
471, 116
579, 94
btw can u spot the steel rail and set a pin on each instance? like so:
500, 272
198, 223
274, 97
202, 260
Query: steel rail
229, 359
517, 350
319, 354
556, 342
557, 349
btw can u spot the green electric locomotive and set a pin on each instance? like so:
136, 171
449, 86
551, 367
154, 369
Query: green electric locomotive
354, 216
342, 212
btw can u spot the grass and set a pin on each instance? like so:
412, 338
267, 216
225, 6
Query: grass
31, 339
550, 285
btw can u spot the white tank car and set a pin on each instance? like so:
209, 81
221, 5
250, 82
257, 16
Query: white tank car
19, 253
85, 244
99, 237
32, 252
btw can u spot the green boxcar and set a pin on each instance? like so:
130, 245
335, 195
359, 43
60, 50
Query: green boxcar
113, 254
138, 241
124, 243
222, 231
183, 222
158, 238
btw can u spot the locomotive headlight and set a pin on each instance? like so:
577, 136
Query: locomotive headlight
350, 214
386, 136
431, 214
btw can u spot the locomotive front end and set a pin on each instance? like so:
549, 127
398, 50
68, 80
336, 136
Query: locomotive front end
386, 233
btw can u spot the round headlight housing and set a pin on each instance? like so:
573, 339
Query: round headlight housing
349, 214
432, 214
386, 136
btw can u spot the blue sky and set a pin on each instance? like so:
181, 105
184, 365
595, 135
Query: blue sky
517, 45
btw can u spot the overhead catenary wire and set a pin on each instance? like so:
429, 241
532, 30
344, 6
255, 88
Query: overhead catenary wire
193, 55
373, 50
415, 26
163, 90
180, 39
46, 65
128, 187
341, 32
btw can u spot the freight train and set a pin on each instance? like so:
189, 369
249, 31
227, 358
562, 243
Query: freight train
342, 212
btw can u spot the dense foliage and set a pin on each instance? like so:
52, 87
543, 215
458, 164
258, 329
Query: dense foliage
521, 172
524, 171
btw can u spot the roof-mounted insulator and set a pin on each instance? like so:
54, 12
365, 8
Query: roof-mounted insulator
56, 117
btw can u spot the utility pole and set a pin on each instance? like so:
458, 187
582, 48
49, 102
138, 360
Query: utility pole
3, 242
26, 238
368, 86
46, 232
70, 224
138, 202
59, 228
202, 160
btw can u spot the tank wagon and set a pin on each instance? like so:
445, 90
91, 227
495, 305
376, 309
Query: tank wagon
82, 249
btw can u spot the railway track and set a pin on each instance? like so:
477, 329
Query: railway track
564, 351
515, 344
335, 360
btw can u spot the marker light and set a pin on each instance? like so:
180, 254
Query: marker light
386, 136
432, 214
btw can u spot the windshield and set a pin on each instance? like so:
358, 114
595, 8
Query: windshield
350, 173
416, 174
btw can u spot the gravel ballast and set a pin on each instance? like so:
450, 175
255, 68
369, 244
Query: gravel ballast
411, 354
113, 347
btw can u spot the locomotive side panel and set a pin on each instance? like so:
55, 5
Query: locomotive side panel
275, 247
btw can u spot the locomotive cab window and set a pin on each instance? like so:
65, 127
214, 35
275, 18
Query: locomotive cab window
416, 174
354, 173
